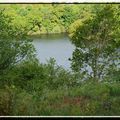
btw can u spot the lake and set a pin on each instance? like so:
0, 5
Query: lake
57, 46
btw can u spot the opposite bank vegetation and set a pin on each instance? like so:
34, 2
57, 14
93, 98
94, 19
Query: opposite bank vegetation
28, 87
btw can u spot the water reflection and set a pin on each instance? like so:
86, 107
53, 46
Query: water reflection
57, 46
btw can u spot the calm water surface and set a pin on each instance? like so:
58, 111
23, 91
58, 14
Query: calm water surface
57, 46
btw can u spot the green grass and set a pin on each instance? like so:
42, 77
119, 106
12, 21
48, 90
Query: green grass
72, 101
45, 89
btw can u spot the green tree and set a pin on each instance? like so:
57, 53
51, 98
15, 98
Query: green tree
97, 42
67, 16
14, 43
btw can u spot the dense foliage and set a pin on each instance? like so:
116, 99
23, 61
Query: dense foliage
14, 44
46, 18
28, 87
97, 42
31, 88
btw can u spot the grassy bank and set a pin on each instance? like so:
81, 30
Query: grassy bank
31, 88
89, 99
28, 87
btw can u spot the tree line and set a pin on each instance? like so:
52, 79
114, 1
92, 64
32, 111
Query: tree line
46, 18
28, 87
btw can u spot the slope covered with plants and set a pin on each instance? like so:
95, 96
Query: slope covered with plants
28, 87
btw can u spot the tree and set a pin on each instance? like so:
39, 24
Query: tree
97, 42
67, 16
14, 44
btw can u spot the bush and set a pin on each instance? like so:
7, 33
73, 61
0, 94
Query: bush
5, 103
7, 100
24, 104
114, 89
31, 88
33, 76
